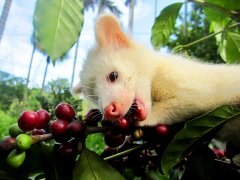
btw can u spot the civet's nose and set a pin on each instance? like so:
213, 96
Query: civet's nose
112, 111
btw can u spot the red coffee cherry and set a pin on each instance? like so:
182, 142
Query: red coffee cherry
38, 132
162, 130
93, 117
65, 111
58, 128
27, 120
43, 119
114, 140
76, 129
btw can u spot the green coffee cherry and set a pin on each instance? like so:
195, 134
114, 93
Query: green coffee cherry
138, 133
23, 142
14, 130
16, 158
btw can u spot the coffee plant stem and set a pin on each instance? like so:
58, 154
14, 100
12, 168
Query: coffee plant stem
214, 7
120, 154
92, 130
180, 47
43, 137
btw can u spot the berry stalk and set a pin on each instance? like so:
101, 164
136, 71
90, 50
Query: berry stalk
43, 137
126, 152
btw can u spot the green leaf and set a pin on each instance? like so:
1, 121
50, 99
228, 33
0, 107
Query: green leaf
53, 166
192, 132
219, 11
156, 175
164, 24
57, 25
229, 48
5, 176
91, 167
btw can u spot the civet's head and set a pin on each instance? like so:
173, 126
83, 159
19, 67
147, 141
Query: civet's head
114, 73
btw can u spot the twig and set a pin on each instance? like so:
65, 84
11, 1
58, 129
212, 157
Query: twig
204, 38
92, 130
43, 137
126, 152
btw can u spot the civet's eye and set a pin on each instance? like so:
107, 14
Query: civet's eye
113, 76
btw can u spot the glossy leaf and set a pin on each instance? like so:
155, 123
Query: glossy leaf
90, 166
222, 14
156, 175
57, 25
164, 24
229, 48
50, 168
193, 130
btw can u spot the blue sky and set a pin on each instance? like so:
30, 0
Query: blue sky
16, 48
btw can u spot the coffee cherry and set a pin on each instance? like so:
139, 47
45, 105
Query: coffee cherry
65, 111
122, 124
14, 130
67, 150
38, 132
76, 129
137, 110
58, 129
43, 119
93, 117
138, 134
7, 143
218, 152
114, 140
15, 158
162, 130
23, 142
27, 120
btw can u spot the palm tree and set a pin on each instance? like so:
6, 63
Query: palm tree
185, 19
74, 62
48, 60
33, 41
4, 16
106, 4
102, 5
131, 4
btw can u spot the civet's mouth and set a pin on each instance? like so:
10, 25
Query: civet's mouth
138, 110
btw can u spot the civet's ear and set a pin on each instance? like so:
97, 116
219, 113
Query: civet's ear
109, 33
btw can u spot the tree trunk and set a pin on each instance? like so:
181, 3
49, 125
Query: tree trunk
30, 65
45, 73
185, 19
101, 7
75, 61
131, 15
4, 16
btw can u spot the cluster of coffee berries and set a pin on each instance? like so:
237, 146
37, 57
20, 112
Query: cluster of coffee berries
66, 125
125, 129
29, 123
32, 127
69, 132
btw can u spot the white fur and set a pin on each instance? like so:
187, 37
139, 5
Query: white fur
173, 88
